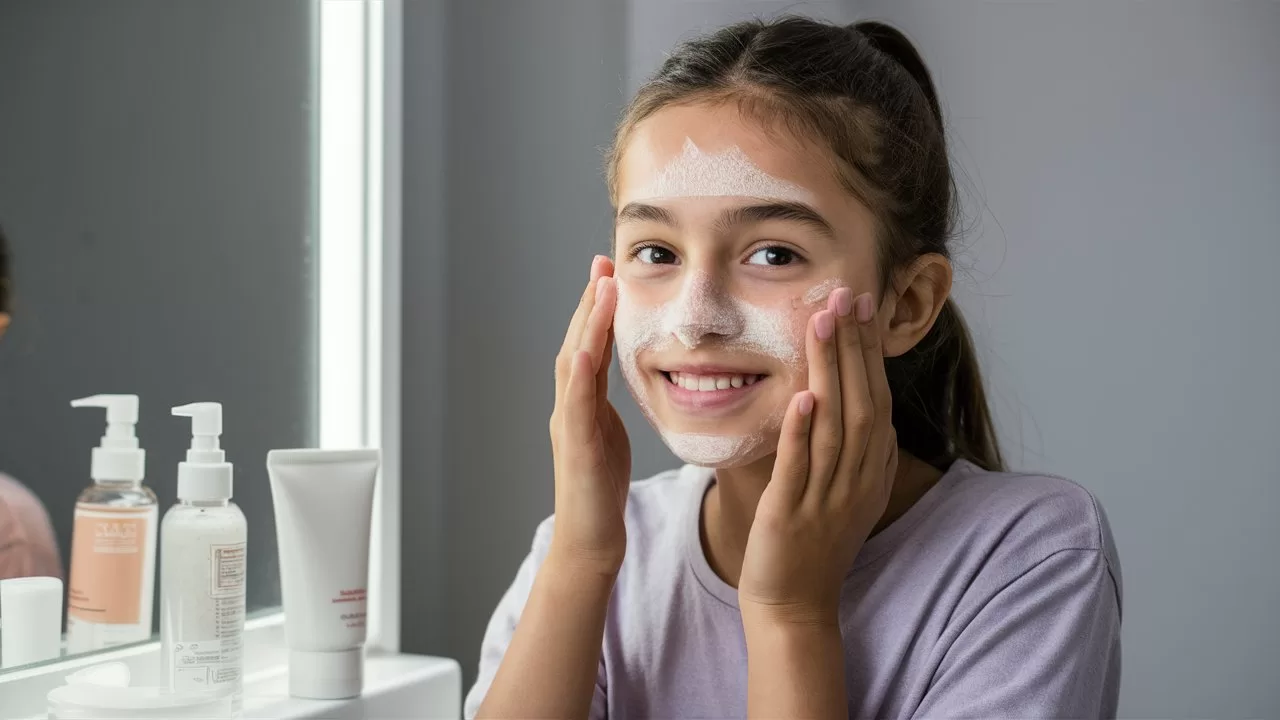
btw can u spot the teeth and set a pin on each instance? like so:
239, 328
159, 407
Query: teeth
707, 383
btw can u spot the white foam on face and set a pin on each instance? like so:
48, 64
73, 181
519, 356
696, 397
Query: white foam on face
713, 451
702, 309
728, 173
818, 293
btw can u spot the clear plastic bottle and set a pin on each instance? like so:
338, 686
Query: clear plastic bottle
113, 545
202, 568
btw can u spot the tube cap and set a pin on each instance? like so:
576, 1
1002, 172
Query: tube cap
30, 620
326, 675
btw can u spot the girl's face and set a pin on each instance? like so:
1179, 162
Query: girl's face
728, 237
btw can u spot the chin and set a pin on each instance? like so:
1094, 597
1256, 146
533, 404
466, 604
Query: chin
709, 439
721, 452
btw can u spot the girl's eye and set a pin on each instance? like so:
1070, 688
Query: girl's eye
774, 255
655, 255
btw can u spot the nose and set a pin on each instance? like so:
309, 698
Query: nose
703, 310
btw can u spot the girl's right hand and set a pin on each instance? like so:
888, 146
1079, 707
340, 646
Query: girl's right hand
590, 445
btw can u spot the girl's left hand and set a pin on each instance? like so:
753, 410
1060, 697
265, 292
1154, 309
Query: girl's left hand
836, 461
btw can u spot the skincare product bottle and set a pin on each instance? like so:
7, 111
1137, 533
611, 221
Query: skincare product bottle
202, 567
113, 541
30, 620
324, 505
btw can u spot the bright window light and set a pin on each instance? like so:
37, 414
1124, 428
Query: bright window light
358, 237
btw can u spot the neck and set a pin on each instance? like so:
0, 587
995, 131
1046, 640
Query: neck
730, 507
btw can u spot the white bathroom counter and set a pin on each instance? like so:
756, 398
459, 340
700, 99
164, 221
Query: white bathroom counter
395, 686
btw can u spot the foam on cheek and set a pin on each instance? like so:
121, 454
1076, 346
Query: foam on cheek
818, 293
636, 328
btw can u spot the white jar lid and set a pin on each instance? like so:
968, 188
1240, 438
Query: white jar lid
30, 620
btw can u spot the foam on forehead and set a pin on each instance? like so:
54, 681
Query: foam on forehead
694, 173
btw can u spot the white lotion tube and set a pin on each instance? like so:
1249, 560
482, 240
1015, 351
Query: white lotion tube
324, 507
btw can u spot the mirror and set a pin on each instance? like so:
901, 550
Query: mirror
156, 199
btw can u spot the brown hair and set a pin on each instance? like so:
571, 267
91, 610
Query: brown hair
863, 91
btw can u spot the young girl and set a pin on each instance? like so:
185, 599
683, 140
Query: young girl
844, 541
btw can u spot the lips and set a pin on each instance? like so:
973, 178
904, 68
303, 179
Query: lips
710, 391
709, 382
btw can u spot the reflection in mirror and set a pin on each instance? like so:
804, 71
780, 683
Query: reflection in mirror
155, 200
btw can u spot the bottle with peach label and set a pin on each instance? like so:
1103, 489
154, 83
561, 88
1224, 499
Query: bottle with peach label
113, 541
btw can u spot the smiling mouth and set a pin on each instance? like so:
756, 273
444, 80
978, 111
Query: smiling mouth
711, 382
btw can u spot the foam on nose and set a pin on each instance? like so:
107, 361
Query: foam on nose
702, 308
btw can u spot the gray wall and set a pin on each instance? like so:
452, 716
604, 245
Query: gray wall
155, 185
1117, 285
1122, 286
508, 107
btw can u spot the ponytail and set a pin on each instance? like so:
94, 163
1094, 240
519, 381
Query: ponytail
940, 405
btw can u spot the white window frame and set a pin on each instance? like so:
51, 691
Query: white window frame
357, 60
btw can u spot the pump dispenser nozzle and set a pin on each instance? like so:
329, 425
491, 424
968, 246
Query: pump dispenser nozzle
117, 456
206, 475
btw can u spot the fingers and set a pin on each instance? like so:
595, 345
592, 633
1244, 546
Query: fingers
600, 267
595, 333
881, 442
791, 468
602, 373
825, 438
891, 463
859, 412
580, 400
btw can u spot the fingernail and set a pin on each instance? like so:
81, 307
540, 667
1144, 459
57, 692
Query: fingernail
844, 301
595, 260
862, 307
805, 405
825, 325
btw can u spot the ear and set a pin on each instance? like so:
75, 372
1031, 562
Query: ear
912, 304
4, 323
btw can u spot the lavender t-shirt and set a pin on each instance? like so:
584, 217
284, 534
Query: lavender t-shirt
995, 595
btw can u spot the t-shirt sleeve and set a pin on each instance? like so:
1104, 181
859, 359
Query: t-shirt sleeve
497, 637
1046, 645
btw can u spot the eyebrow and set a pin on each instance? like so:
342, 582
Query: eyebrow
749, 214
640, 212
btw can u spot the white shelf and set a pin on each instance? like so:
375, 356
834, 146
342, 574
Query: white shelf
395, 686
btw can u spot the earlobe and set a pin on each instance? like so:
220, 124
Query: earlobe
914, 301
4, 323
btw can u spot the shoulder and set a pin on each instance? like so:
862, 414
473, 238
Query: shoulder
1040, 509
1020, 519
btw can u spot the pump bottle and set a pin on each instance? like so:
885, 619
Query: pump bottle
202, 568
113, 540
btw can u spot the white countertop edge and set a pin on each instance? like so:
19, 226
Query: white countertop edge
396, 685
